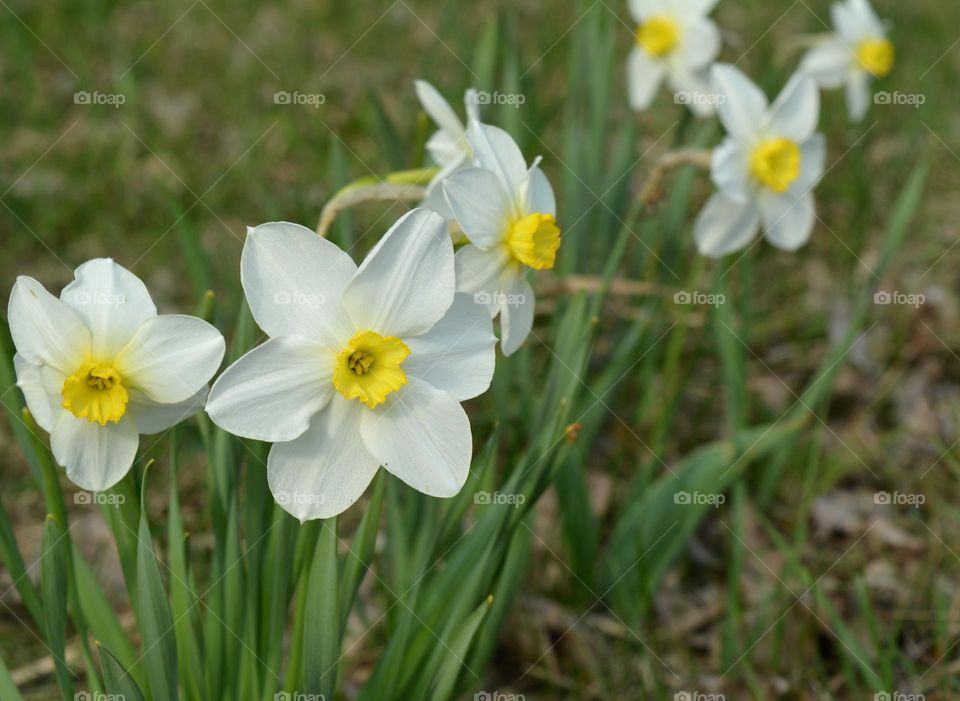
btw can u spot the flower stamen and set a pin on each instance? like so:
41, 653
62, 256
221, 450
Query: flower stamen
658, 36
534, 240
876, 56
368, 368
776, 163
95, 392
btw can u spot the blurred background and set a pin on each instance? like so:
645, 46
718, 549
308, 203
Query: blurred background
151, 132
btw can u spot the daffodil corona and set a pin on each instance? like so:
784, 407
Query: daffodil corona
767, 167
98, 367
676, 42
365, 366
508, 212
855, 53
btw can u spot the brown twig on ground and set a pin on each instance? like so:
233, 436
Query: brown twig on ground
670, 160
379, 192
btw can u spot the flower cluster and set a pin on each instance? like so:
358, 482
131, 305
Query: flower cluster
367, 366
772, 159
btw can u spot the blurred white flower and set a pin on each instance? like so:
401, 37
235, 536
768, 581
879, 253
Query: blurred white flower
853, 56
448, 146
364, 366
508, 212
676, 41
767, 167
98, 367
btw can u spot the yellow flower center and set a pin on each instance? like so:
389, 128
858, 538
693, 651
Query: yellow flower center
776, 163
534, 240
658, 36
95, 392
369, 369
876, 56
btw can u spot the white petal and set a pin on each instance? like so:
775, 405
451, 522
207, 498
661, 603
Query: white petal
644, 75
855, 20
42, 387
516, 313
112, 301
796, 111
828, 63
271, 392
641, 9
458, 354
96, 457
744, 104
293, 280
692, 89
538, 194
723, 226
45, 330
471, 100
788, 220
813, 156
480, 205
406, 284
479, 272
858, 95
439, 109
153, 417
494, 149
171, 357
445, 150
730, 170
422, 436
324, 471
699, 45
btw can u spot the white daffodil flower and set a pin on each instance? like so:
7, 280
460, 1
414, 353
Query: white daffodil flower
448, 146
767, 167
98, 367
364, 366
858, 52
508, 212
676, 41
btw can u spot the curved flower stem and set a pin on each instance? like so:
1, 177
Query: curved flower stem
402, 186
671, 160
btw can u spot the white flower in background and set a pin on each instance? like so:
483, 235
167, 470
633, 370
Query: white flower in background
448, 146
508, 212
857, 53
767, 167
364, 366
98, 367
676, 41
